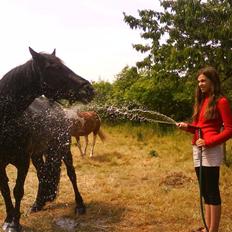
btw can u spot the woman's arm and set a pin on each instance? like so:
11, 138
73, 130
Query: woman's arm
223, 107
187, 127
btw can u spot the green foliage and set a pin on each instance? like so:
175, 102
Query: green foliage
196, 34
103, 92
121, 87
162, 94
187, 35
153, 153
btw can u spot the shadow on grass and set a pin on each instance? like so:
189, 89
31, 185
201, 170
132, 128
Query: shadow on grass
107, 157
100, 217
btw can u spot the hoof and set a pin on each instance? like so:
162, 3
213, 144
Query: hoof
5, 225
14, 228
35, 208
80, 210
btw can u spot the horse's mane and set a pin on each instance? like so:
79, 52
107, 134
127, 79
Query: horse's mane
18, 87
17, 77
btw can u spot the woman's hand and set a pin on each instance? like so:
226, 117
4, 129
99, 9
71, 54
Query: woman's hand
200, 142
182, 125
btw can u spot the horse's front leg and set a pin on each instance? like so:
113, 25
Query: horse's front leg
5, 190
68, 160
79, 145
23, 167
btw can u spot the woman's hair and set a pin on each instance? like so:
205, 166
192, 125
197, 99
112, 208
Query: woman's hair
214, 93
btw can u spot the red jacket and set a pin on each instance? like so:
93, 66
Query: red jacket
211, 129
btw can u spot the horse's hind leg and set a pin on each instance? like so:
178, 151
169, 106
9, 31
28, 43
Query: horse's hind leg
5, 190
53, 170
86, 143
93, 144
68, 160
38, 162
48, 173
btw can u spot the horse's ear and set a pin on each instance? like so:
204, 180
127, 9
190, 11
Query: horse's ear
54, 52
35, 55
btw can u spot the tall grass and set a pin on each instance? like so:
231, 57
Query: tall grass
140, 179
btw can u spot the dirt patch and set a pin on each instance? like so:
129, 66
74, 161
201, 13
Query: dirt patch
175, 180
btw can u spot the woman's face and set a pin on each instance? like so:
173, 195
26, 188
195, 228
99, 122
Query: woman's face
204, 83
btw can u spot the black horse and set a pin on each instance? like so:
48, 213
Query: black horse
44, 74
49, 129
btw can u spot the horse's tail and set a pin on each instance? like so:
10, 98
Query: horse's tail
101, 135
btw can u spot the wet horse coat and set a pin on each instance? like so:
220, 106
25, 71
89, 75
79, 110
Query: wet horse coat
47, 149
44, 74
51, 140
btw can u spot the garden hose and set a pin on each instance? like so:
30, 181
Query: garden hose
200, 183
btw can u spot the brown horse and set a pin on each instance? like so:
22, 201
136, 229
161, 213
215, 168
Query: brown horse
82, 125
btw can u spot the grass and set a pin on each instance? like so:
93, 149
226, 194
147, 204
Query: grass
138, 180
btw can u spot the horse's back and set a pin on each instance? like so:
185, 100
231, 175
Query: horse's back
48, 124
91, 122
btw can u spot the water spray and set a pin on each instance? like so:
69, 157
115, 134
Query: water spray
139, 115
124, 113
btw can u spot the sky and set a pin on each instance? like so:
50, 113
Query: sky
90, 36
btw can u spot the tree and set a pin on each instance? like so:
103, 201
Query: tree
103, 92
124, 80
185, 36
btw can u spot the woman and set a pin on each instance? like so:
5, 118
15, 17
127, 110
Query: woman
213, 116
